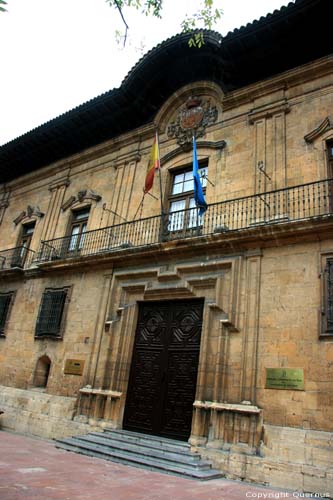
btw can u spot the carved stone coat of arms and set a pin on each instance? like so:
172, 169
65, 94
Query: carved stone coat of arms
192, 119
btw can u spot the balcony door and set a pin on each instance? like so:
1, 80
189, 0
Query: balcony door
329, 146
164, 368
77, 230
183, 214
21, 252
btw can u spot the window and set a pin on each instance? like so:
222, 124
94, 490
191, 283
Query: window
78, 229
183, 211
6, 300
327, 310
329, 146
52, 312
23, 245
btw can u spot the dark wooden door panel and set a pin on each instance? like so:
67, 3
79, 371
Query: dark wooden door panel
144, 397
164, 368
180, 394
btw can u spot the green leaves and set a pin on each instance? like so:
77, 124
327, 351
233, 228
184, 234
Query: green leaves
204, 18
197, 40
2, 9
148, 7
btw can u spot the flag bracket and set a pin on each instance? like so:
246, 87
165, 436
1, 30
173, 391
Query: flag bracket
114, 213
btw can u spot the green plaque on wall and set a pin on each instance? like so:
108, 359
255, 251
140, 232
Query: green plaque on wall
285, 378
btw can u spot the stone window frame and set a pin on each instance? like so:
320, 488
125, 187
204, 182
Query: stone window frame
7, 313
59, 330
326, 275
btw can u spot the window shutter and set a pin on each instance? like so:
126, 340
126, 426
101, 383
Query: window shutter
51, 312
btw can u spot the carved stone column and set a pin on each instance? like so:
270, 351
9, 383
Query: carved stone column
57, 190
251, 327
269, 129
3, 205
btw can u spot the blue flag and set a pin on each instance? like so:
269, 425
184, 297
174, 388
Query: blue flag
198, 193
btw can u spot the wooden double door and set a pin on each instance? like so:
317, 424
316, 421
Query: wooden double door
164, 368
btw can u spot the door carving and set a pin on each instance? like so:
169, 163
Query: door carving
164, 368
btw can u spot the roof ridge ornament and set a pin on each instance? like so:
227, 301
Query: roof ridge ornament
193, 118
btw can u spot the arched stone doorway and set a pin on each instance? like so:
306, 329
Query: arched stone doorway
42, 372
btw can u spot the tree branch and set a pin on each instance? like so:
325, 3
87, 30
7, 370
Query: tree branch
123, 19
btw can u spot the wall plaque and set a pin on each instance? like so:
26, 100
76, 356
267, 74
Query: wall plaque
285, 378
74, 367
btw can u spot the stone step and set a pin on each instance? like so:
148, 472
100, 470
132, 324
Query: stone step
140, 437
145, 463
148, 440
145, 449
149, 452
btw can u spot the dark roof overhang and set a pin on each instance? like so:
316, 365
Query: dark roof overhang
292, 36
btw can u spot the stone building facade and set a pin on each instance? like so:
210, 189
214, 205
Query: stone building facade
119, 310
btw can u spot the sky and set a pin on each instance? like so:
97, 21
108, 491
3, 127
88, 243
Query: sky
58, 54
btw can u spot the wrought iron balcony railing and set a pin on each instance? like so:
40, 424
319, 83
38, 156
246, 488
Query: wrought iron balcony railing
19, 257
296, 203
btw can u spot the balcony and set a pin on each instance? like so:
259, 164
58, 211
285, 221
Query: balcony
283, 206
16, 258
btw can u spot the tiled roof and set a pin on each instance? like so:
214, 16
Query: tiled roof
289, 37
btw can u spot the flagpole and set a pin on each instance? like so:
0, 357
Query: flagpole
159, 173
160, 182
193, 143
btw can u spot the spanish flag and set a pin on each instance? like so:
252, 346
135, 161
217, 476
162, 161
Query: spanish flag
154, 164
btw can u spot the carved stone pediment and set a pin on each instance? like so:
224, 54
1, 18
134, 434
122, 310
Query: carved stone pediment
318, 131
84, 195
30, 212
193, 118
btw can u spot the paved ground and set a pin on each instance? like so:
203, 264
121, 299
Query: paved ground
34, 469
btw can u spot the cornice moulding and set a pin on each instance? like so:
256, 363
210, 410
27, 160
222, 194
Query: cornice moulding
268, 110
283, 81
188, 147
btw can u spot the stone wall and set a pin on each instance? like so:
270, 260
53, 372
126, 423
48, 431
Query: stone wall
38, 413
295, 459
262, 288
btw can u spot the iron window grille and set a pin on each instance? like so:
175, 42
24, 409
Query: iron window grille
6, 300
51, 315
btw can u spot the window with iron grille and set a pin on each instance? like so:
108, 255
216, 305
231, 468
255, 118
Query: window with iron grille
327, 311
6, 300
52, 311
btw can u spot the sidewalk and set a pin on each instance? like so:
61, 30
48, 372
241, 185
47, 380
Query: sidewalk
34, 469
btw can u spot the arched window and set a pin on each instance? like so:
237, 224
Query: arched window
42, 372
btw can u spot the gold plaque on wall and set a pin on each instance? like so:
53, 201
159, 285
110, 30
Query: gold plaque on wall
74, 367
285, 378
